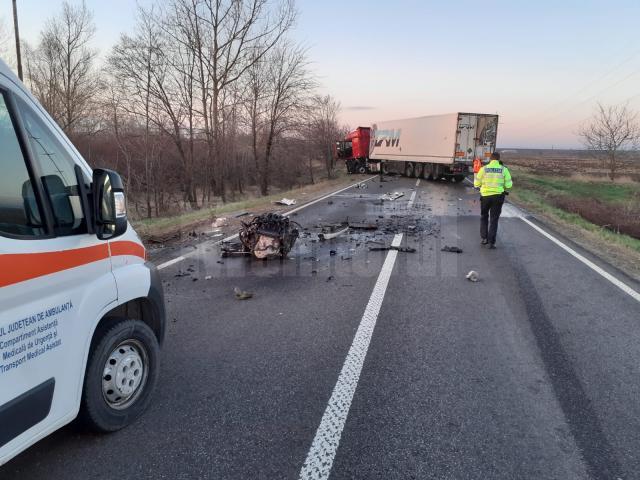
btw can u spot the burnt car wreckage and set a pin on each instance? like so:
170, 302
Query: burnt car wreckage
265, 236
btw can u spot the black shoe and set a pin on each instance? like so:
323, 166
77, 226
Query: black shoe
492, 246
484, 241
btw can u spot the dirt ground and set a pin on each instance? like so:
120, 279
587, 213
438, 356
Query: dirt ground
580, 164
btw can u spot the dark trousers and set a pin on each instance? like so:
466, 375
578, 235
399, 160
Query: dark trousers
490, 209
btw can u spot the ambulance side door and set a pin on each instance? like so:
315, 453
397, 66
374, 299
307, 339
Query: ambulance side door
55, 278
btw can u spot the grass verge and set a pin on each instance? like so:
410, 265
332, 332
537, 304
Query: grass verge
622, 251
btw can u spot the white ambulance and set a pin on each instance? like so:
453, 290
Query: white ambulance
82, 312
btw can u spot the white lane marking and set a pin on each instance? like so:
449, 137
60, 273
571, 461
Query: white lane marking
413, 195
326, 196
190, 254
319, 461
170, 262
622, 286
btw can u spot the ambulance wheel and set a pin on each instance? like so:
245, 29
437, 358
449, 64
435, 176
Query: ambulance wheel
122, 373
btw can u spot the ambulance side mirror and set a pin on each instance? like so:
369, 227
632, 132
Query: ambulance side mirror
109, 204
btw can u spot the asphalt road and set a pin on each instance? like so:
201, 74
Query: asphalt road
532, 372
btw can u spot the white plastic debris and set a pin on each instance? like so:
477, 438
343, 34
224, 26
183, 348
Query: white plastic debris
391, 196
473, 276
286, 201
220, 222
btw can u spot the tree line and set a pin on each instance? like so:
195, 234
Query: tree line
202, 101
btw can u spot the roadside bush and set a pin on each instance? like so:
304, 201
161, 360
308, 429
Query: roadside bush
619, 218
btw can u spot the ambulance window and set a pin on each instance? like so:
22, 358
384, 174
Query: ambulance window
58, 174
19, 211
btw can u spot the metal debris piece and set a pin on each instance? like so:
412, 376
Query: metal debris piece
447, 248
332, 234
392, 247
208, 277
269, 235
242, 214
241, 294
363, 226
473, 276
332, 252
391, 196
286, 201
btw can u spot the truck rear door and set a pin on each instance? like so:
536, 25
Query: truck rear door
476, 136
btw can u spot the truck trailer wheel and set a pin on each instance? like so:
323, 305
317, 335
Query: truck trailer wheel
361, 168
409, 170
122, 372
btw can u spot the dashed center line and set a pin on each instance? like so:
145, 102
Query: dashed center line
323, 450
319, 461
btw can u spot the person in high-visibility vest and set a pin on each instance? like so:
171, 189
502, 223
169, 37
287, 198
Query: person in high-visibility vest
477, 165
494, 182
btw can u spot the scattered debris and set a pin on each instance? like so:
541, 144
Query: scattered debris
391, 196
208, 277
241, 294
269, 235
472, 276
330, 202
332, 234
220, 222
182, 274
332, 252
363, 226
392, 247
447, 248
329, 278
242, 214
286, 201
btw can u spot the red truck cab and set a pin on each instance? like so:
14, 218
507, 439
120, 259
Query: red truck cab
354, 150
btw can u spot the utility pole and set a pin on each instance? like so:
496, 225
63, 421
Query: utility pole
15, 29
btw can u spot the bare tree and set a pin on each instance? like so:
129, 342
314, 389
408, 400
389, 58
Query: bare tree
155, 83
323, 130
611, 129
61, 68
7, 45
277, 93
226, 37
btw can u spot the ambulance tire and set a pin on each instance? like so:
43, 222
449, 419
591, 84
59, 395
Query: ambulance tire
98, 411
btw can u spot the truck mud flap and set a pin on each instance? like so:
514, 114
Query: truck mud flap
25, 411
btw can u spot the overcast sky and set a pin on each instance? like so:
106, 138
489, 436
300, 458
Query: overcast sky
542, 65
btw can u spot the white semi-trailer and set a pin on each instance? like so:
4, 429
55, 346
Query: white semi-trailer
432, 147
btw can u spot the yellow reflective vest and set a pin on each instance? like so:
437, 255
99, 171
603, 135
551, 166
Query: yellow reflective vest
493, 179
